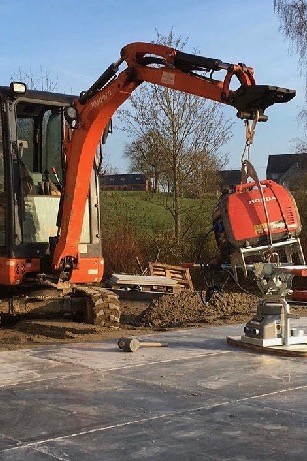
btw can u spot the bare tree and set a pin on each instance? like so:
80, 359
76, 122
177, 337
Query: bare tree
293, 23
43, 81
147, 155
301, 146
192, 130
293, 18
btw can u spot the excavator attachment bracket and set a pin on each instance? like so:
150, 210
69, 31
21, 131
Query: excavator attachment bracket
250, 99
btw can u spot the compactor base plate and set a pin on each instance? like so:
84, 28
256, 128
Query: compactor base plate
293, 350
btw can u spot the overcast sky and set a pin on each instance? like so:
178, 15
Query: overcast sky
76, 41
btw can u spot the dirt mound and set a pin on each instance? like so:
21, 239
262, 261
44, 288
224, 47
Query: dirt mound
188, 308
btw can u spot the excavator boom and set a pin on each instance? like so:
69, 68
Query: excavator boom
156, 64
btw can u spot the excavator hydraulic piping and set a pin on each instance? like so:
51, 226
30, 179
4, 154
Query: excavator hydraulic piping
186, 61
108, 74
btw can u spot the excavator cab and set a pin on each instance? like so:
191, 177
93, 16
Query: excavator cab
32, 180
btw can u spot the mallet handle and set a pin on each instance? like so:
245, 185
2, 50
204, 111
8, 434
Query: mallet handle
152, 344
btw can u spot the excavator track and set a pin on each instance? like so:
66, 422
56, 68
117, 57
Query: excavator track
102, 306
92, 304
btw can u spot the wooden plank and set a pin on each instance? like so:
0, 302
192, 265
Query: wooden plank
178, 273
144, 283
143, 280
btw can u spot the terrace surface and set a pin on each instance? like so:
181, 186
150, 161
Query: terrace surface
197, 399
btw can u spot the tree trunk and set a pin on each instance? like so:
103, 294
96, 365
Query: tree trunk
156, 181
177, 221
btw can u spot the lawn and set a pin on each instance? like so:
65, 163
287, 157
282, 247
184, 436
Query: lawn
147, 212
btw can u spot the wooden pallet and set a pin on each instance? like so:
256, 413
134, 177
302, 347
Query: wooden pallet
178, 273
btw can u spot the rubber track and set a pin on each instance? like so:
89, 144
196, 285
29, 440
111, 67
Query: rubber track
102, 306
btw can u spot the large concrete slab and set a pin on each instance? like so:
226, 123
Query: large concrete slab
197, 399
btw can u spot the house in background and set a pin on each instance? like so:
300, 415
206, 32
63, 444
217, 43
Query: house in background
229, 178
287, 169
124, 182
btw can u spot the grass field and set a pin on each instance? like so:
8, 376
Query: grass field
139, 225
148, 213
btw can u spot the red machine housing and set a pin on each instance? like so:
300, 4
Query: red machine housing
241, 218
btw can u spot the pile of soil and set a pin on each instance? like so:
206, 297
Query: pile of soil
186, 309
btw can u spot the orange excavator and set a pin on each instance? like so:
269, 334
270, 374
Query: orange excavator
49, 207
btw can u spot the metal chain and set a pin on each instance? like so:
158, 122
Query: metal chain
249, 136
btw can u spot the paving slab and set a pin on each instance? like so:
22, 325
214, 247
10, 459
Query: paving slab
197, 399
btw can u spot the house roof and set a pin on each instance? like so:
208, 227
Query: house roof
281, 163
230, 177
122, 179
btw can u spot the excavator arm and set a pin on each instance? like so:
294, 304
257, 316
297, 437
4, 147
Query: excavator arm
90, 114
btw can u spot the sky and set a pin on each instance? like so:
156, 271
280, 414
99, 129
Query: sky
75, 41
